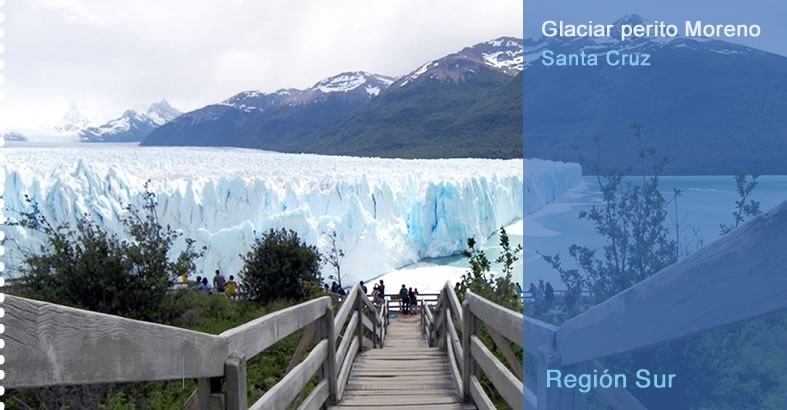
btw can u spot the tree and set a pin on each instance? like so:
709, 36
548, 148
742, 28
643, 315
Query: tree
280, 266
481, 281
334, 258
632, 222
87, 267
745, 207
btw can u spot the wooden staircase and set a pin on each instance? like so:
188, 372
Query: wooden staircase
406, 374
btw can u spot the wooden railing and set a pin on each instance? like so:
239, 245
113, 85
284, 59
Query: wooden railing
48, 344
469, 357
741, 276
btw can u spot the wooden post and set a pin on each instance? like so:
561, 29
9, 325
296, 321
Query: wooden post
235, 372
329, 366
359, 307
547, 358
468, 367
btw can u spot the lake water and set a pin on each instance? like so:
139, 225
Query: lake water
706, 202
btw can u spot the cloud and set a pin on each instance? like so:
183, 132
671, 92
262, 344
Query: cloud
111, 55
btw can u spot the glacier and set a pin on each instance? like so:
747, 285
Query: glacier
388, 213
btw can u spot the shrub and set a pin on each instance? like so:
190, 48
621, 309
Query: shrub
87, 267
280, 266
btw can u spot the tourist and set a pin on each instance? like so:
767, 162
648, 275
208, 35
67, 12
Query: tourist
549, 294
404, 299
198, 282
327, 289
204, 286
363, 288
532, 290
231, 288
519, 290
413, 295
540, 292
376, 299
218, 282
381, 291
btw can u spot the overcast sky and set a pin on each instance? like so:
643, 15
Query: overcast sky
109, 55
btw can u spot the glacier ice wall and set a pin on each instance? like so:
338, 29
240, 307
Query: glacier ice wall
387, 212
545, 180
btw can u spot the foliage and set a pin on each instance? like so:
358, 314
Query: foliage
87, 267
480, 279
745, 207
631, 220
334, 258
280, 266
734, 367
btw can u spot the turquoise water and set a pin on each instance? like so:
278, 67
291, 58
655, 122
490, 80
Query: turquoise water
706, 202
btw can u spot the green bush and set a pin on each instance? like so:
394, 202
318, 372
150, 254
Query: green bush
87, 267
280, 266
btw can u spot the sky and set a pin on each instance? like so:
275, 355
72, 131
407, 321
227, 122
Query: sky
106, 56
769, 14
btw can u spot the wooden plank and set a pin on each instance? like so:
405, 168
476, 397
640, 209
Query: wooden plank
283, 392
502, 344
509, 387
346, 339
531, 400
401, 400
401, 392
344, 371
455, 375
235, 374
505, 321
538, 334
453, 406
348, 305
453, 302
479, 396
317, 397
303, 345
467, 367
253, 337
458, 351
367, 323
330, 367
739, 276
46, 345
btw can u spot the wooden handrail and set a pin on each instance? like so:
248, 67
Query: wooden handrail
253, 337
46, 345
740, 276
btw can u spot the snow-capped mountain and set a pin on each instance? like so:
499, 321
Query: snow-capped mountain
709, 106
359, 85
131, 126
13, 135
438, 110
503, 54
273, 120
73, 121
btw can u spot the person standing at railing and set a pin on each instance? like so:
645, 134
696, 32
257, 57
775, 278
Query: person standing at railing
519, 290
532, 290
219, 281
413, 296
404, 299
381, 292
363, 287
549, 294
231, 288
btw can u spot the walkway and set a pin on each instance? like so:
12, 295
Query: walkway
405, 374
